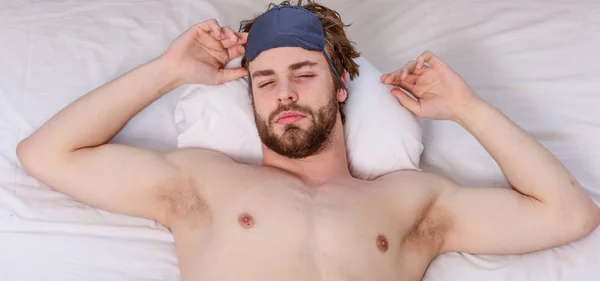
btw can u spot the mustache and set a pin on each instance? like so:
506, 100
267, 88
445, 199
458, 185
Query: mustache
290, 107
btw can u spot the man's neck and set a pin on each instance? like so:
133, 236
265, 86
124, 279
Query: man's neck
331, 164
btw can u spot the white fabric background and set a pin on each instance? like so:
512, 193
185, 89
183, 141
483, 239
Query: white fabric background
533, 60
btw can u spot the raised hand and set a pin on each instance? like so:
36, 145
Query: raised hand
439, 91
199, 54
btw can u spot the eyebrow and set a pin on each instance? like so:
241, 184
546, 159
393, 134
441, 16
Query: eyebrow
302, 64
294, 66
262, 73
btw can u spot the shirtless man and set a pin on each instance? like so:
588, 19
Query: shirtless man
301, 215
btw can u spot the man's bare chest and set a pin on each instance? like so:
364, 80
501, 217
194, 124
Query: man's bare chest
360, 230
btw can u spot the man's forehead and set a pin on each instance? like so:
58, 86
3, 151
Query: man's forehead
284, 56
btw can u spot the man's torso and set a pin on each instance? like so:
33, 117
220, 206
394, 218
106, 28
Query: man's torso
239, 222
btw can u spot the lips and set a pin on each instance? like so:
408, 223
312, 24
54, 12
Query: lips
289, 117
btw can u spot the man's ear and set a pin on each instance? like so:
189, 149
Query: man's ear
342, 95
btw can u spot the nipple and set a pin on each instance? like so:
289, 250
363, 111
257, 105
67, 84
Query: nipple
246, 220
382, 243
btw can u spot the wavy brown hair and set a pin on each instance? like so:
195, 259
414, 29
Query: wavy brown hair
338, 47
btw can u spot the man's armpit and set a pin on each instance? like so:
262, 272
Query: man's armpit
430, 227
180, 200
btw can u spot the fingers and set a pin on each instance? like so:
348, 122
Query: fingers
234, 42
417, 67
428, 57
243, 36
384, 77
411, 68
236, 51
221, 42
411, 78
229, 74
410, 87
400, 74
230, 38
392, 78
406, 101
407, 68
420, 62
208, 34
214, 48
211, 26
225, 34
414, 89
407, 73
222, 37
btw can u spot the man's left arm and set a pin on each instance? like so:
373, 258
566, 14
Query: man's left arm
547, 206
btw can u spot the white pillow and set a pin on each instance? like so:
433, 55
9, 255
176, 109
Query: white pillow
381, 135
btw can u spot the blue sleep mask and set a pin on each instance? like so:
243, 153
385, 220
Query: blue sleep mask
287, 26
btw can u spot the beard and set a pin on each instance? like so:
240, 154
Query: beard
295, 142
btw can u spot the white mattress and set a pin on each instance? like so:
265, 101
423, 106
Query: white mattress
536, 61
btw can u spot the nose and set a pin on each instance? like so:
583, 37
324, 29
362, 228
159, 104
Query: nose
287, 94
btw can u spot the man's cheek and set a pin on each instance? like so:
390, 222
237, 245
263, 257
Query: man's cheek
261, 111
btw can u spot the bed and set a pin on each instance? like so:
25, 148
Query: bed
536, 61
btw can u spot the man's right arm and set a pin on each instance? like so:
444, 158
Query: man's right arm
70, 151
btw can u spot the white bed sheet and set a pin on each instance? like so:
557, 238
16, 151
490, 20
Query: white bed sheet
535, 61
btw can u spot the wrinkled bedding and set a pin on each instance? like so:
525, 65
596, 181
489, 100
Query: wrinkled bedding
536, 61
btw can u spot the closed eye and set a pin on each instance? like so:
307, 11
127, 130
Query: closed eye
265, 84
305, 76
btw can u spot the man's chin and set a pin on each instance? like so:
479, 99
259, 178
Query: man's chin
279, 130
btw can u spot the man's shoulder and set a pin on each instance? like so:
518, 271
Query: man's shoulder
205, 165
413, 178
416, 191
197, 165
199, 157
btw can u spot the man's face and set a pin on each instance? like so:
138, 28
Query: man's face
295, 104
